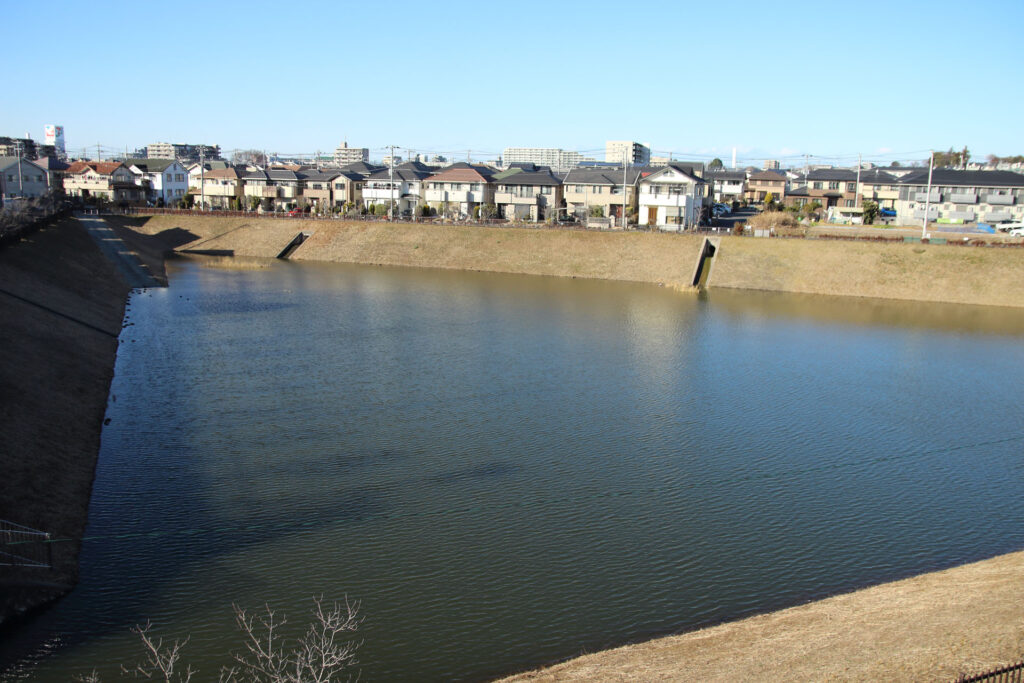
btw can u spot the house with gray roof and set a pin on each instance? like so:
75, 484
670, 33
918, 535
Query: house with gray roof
599, 190
164, 181
671, 199
402, 188
726, 186
20, 177
528, 192
961, 196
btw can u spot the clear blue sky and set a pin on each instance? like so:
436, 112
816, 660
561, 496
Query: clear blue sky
777, 80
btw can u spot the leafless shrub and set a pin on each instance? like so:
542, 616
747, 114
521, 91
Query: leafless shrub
160, 660
321, 655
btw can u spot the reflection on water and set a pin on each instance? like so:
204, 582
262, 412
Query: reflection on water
510, 470
864, 311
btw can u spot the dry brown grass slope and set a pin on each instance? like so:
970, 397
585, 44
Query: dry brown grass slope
926, 628
968, 275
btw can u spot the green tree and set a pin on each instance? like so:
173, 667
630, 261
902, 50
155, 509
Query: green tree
953, 158
597, 212
716, 163
870, 212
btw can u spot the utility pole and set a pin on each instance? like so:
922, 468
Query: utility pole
391, 182
856, 199
807, 167
21, 188
99, 157
928, 195
202, 178
625, 168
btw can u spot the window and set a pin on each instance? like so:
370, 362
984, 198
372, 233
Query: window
339, 186
817, 185
833, 185
851, 187
545, 189
850, 202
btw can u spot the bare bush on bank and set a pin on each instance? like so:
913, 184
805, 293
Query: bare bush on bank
324, 653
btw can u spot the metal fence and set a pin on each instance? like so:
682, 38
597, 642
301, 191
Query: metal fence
22, 546
1006, 674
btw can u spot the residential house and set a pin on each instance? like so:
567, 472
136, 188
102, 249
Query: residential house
332, 188
22, 178
55, 169
401, 187
195, 171
832, 187
219, 186
165, 180
962, 196
528, 192
671, 199
110, 180
595, 190
726, 186
277, 188
763, 183
879, 186
461, 188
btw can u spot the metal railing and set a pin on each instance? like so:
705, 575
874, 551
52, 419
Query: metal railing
22, 546
1005, 674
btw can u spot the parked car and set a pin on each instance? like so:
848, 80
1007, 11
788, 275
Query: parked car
1017, 232
887, 213
1010, 227
295, 212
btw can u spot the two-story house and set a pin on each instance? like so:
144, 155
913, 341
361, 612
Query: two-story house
764, 183
671, 199
22, 178
110, 180
961, 196
599, 191
528, 192
219, 186
401, 187
460, 188
726, 186
164, 180
276, 188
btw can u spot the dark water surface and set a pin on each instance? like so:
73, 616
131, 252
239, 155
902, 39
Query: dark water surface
510, 470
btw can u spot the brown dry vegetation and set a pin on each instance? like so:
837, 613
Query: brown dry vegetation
927, 628
640, 257
55, 377
917, 272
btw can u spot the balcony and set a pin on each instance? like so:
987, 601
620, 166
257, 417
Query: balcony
513, 198
998, 216
933, 213
219, 190
966, 216
263, 191
999, 199
934, 198
963, 198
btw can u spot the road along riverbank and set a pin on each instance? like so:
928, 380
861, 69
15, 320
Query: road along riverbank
991, 276
931, 627
62, 304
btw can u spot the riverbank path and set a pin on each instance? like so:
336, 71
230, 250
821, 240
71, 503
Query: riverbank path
117, 252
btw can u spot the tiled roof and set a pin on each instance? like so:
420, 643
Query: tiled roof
463, 173
843, 174
530, 178
101, 167
601, 176
768, 175
945, 176
149, 165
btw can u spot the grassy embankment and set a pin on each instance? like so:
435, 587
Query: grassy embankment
62, 304
926, 628
639, 257
916, 272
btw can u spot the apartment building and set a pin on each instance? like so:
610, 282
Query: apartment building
182, 152
962, 196
627, 152
343, 154
558, 160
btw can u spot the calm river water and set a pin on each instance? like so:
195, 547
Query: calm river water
511, 470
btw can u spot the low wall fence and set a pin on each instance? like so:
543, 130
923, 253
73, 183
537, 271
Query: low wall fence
1006, 674
22, 546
